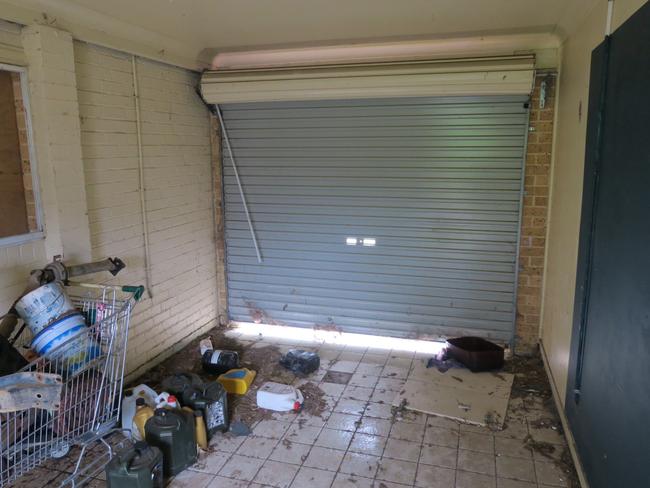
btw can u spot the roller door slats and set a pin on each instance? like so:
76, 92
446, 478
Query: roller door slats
435, 181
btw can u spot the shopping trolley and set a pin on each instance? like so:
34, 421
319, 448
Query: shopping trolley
89, 403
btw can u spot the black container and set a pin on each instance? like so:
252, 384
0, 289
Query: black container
212, 400
172, 431
138, 466
476, 353
177, 383
219, 362
299, 361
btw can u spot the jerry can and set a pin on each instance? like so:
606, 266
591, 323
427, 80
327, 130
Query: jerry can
138, 466
211, 399
173, 432
237, 380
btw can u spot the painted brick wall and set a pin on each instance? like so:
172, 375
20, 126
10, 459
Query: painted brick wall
534, 217
178, 184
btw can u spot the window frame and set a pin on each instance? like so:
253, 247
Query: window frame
40, 232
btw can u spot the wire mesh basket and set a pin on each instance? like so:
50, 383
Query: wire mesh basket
90, 368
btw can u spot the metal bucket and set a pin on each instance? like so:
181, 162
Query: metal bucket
43, 305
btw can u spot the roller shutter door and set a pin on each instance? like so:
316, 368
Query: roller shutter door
433, 183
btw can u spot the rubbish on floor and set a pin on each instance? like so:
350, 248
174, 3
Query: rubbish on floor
200, 431
211, 399
129, 404
239, 428
143, 413
10, 359
68, 340
476, 398
136, 466
21, 391
279, 397
443, 362
205, 345
218, 362
237, 381
43, 305
173, 432
177, 383
166, 400
476, 353
299, 361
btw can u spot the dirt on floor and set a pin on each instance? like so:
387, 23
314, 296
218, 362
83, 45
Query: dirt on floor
265, 361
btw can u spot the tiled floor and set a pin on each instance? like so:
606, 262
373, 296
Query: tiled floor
359, 442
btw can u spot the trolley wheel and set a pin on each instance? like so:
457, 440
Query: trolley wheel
60, 451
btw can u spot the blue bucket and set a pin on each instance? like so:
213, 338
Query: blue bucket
67, 340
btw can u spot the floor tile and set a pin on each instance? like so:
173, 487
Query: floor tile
363, 379
222, 482
358, 393
477, 462
334, 439
367, 444
190, 479
352, 354
443, 422
307, 419
369, 368
441, 437
273, 473
332, 389
379, 410
257, 447
313, 478
302, 433
354, 407
474, 480
515, 468
241, 468
506, 483
477, 442
439, 456
550, 474
359, 464
397, 471
370, 425
343, 421
407, 431
435, 477
505, 446
403, 450
290, 452
400, 362
344, 366
273, 429
211, 462
396, 372
226, 442
392, 384
514, 429
324, 458
343, 480
382, 395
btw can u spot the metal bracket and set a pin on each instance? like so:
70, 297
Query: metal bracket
21, 391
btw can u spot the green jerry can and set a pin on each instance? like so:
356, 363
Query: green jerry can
211, 399
172, 431
138, 466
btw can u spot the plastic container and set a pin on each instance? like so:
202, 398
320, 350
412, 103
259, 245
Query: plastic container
166, 400
212, 400
237, 381
173, 432
143, 413
67, 339
128, 404
43, 305
199, 428
279, 397
218, 362
139, 466
177, 383
301, 362
476, 353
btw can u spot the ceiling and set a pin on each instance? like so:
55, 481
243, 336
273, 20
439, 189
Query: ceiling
194, 30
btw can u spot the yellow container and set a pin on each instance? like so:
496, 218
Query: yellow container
237, 380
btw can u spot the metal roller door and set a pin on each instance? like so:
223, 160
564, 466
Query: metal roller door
396, 217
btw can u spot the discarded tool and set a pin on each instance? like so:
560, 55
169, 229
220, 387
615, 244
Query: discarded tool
20, 391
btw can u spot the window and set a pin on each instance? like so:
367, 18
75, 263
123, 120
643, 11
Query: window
19, 205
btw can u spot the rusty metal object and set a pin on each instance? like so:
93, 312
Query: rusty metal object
21, 391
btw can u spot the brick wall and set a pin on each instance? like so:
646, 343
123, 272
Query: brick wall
534, 216
178, 193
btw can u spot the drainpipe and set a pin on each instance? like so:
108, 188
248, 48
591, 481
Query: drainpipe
141, 190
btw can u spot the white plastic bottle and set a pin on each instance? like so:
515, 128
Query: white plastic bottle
128, 404
279, 397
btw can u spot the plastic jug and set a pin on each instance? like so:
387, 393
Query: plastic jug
143, 413
173, 432
279, 397
199, 428
139, 466
211, 399
237, 380
129, 400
